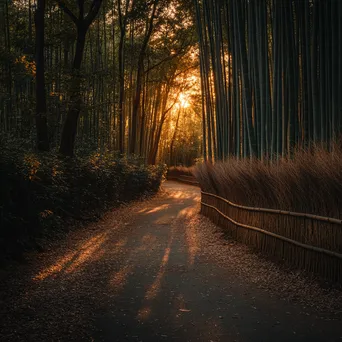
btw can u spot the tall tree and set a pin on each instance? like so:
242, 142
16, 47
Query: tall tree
82, 23
41, 111
140, 74
123, 16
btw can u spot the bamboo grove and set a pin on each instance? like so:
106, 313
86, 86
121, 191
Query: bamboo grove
103, 73
271, 75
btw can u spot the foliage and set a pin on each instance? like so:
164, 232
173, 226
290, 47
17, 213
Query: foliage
109, 73
40, 193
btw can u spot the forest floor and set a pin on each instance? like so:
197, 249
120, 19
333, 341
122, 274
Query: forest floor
158, 271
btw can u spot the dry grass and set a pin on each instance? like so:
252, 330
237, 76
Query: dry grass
310, 182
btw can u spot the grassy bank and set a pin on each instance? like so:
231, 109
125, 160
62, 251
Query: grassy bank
43, 194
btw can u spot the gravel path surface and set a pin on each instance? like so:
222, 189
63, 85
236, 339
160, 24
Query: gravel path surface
158, 271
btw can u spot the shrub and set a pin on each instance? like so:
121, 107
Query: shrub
42, 193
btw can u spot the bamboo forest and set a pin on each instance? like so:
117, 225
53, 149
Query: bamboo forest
170, 170
270, 75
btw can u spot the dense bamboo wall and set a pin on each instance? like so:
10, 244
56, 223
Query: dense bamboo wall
271, 75
304, 241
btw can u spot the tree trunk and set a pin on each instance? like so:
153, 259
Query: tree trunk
41, 112
82, 23
139, 79
70, 126
173, 139
121, 53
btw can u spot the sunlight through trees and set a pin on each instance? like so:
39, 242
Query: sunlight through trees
114, 73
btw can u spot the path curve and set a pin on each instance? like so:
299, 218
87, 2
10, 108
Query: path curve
158, 271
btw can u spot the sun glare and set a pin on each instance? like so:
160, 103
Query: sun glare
183, 101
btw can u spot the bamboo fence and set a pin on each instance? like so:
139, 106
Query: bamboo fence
309, 242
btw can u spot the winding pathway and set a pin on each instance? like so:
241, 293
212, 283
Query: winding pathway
158, 271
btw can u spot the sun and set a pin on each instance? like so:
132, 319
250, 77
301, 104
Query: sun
183, 101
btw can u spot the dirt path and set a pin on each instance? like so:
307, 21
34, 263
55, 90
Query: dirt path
158, 271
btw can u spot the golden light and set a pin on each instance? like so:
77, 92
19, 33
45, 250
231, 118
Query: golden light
183, 101
88, 251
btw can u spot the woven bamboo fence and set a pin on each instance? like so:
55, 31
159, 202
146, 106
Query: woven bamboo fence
309, 242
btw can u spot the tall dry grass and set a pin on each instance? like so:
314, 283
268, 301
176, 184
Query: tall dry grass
310, 182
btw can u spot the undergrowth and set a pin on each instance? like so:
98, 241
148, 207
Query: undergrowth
176, 171
42, 193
